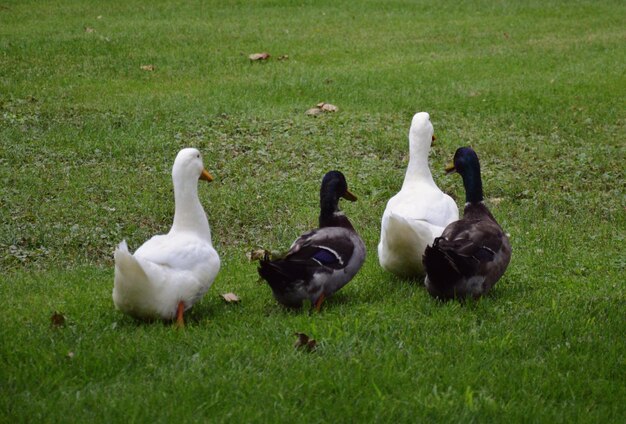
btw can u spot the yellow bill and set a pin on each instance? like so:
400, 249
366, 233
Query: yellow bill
206, 176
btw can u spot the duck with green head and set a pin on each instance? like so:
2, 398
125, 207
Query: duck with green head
323, 260
472, 253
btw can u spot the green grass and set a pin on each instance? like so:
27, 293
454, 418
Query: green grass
87, 140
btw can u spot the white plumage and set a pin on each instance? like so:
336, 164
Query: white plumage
418, 213
170, 272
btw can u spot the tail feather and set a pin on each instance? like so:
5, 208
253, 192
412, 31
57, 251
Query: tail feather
403, 244
131, 282
278, 274
442, 274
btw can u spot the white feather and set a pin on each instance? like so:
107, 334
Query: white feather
418, 213
178, 266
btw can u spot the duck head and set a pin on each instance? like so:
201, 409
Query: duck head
466, 163
188, 166
421, 133
334, 187
189, 214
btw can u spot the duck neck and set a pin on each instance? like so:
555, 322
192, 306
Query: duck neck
473, 185
418, 170
189, 214
330, 215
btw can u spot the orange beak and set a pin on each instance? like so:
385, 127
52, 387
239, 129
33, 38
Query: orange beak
206, 176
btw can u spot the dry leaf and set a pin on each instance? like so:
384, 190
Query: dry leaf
314, 111
258, 254
89, 30
304, 342
231, 298
259, 56
283, 57
327, 107
70, 354
506, 35
57, 319
147, 67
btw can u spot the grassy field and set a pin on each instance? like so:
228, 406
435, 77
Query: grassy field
87, 140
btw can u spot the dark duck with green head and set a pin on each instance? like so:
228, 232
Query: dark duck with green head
323, 260
472, 253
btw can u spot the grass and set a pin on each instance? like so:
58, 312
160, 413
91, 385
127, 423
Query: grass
87, 142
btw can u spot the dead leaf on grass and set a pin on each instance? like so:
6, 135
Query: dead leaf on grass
231, 298
70, 354
322, 108
89, 30
147, 67
258, 56
57, 320
283, 57
304, 342
259, 254
314, 111
327, 107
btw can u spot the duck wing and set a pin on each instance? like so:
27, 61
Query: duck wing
309, 264
468, 258
329, 247
470, 243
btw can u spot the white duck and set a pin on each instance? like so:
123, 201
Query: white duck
419, 212
170, 272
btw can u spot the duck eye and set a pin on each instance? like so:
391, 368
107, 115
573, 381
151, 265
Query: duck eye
198, 155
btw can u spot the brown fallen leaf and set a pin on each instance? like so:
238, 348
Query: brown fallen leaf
259, 254
314, 111
304, 342
57, 319
327, 107
89, 30
147, 67
231, 298
259, 56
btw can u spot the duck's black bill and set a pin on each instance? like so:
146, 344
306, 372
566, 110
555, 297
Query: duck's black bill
349, 196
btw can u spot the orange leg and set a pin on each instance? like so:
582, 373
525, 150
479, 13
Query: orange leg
180, 321
320, 300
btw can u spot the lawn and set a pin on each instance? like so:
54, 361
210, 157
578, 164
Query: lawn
87, 141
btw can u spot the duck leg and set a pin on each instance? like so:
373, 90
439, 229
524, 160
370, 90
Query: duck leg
318, 303
180, 321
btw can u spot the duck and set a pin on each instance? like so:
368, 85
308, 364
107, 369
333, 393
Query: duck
170, 272
321, 261
418, 213
471, 254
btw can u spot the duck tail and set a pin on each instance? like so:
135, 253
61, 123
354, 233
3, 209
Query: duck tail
130, 278
409, 233
442, 273
402, 244
272, 272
